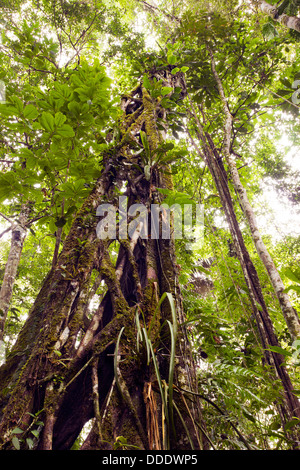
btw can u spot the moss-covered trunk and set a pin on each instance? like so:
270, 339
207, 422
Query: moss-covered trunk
64, 368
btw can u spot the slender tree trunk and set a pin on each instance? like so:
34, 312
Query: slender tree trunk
289, 313
18, 236
127, 368
290, 405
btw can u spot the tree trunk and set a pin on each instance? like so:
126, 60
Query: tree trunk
128, 367
18, 236
290, 404
289, 313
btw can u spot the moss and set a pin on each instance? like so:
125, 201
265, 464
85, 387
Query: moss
150, 121
87, 256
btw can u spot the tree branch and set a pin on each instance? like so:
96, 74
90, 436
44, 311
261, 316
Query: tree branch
292, 22
6, 218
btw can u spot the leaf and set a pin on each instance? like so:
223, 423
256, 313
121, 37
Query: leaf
166, 103
147, 83
175, 197
30, 443
291, 423
18, 103
47, 121
286, 82
174, 71
279, 350
116, 362
147, 171
35, 432
16, 443
184, 69
8, 110
283, 92
249, 416
65, 131
59, 119
294, 287
60, 222
269, 31
17, 431
291, 275
30, 112
144, 140
166, 90
173, 332
172, 59
203, 270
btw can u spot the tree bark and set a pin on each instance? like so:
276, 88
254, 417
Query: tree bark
18, 236
123, 367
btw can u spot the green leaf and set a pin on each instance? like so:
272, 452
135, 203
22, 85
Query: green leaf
279, 350
30, 443
166, 103
59, 119
17, 431
175, 197
146, 145
283, 92
294, 287
147, 83
291, 423
174, 71
47, 121
30, 112
65, 131
166, 90
184, 69
249, 416
291, 275
18, 103
16, 443
286, 82
147, 171
172, 59
8, 110
202, 270
269, 31
35, 432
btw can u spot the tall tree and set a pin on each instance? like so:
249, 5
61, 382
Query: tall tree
118, 332
144, 271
